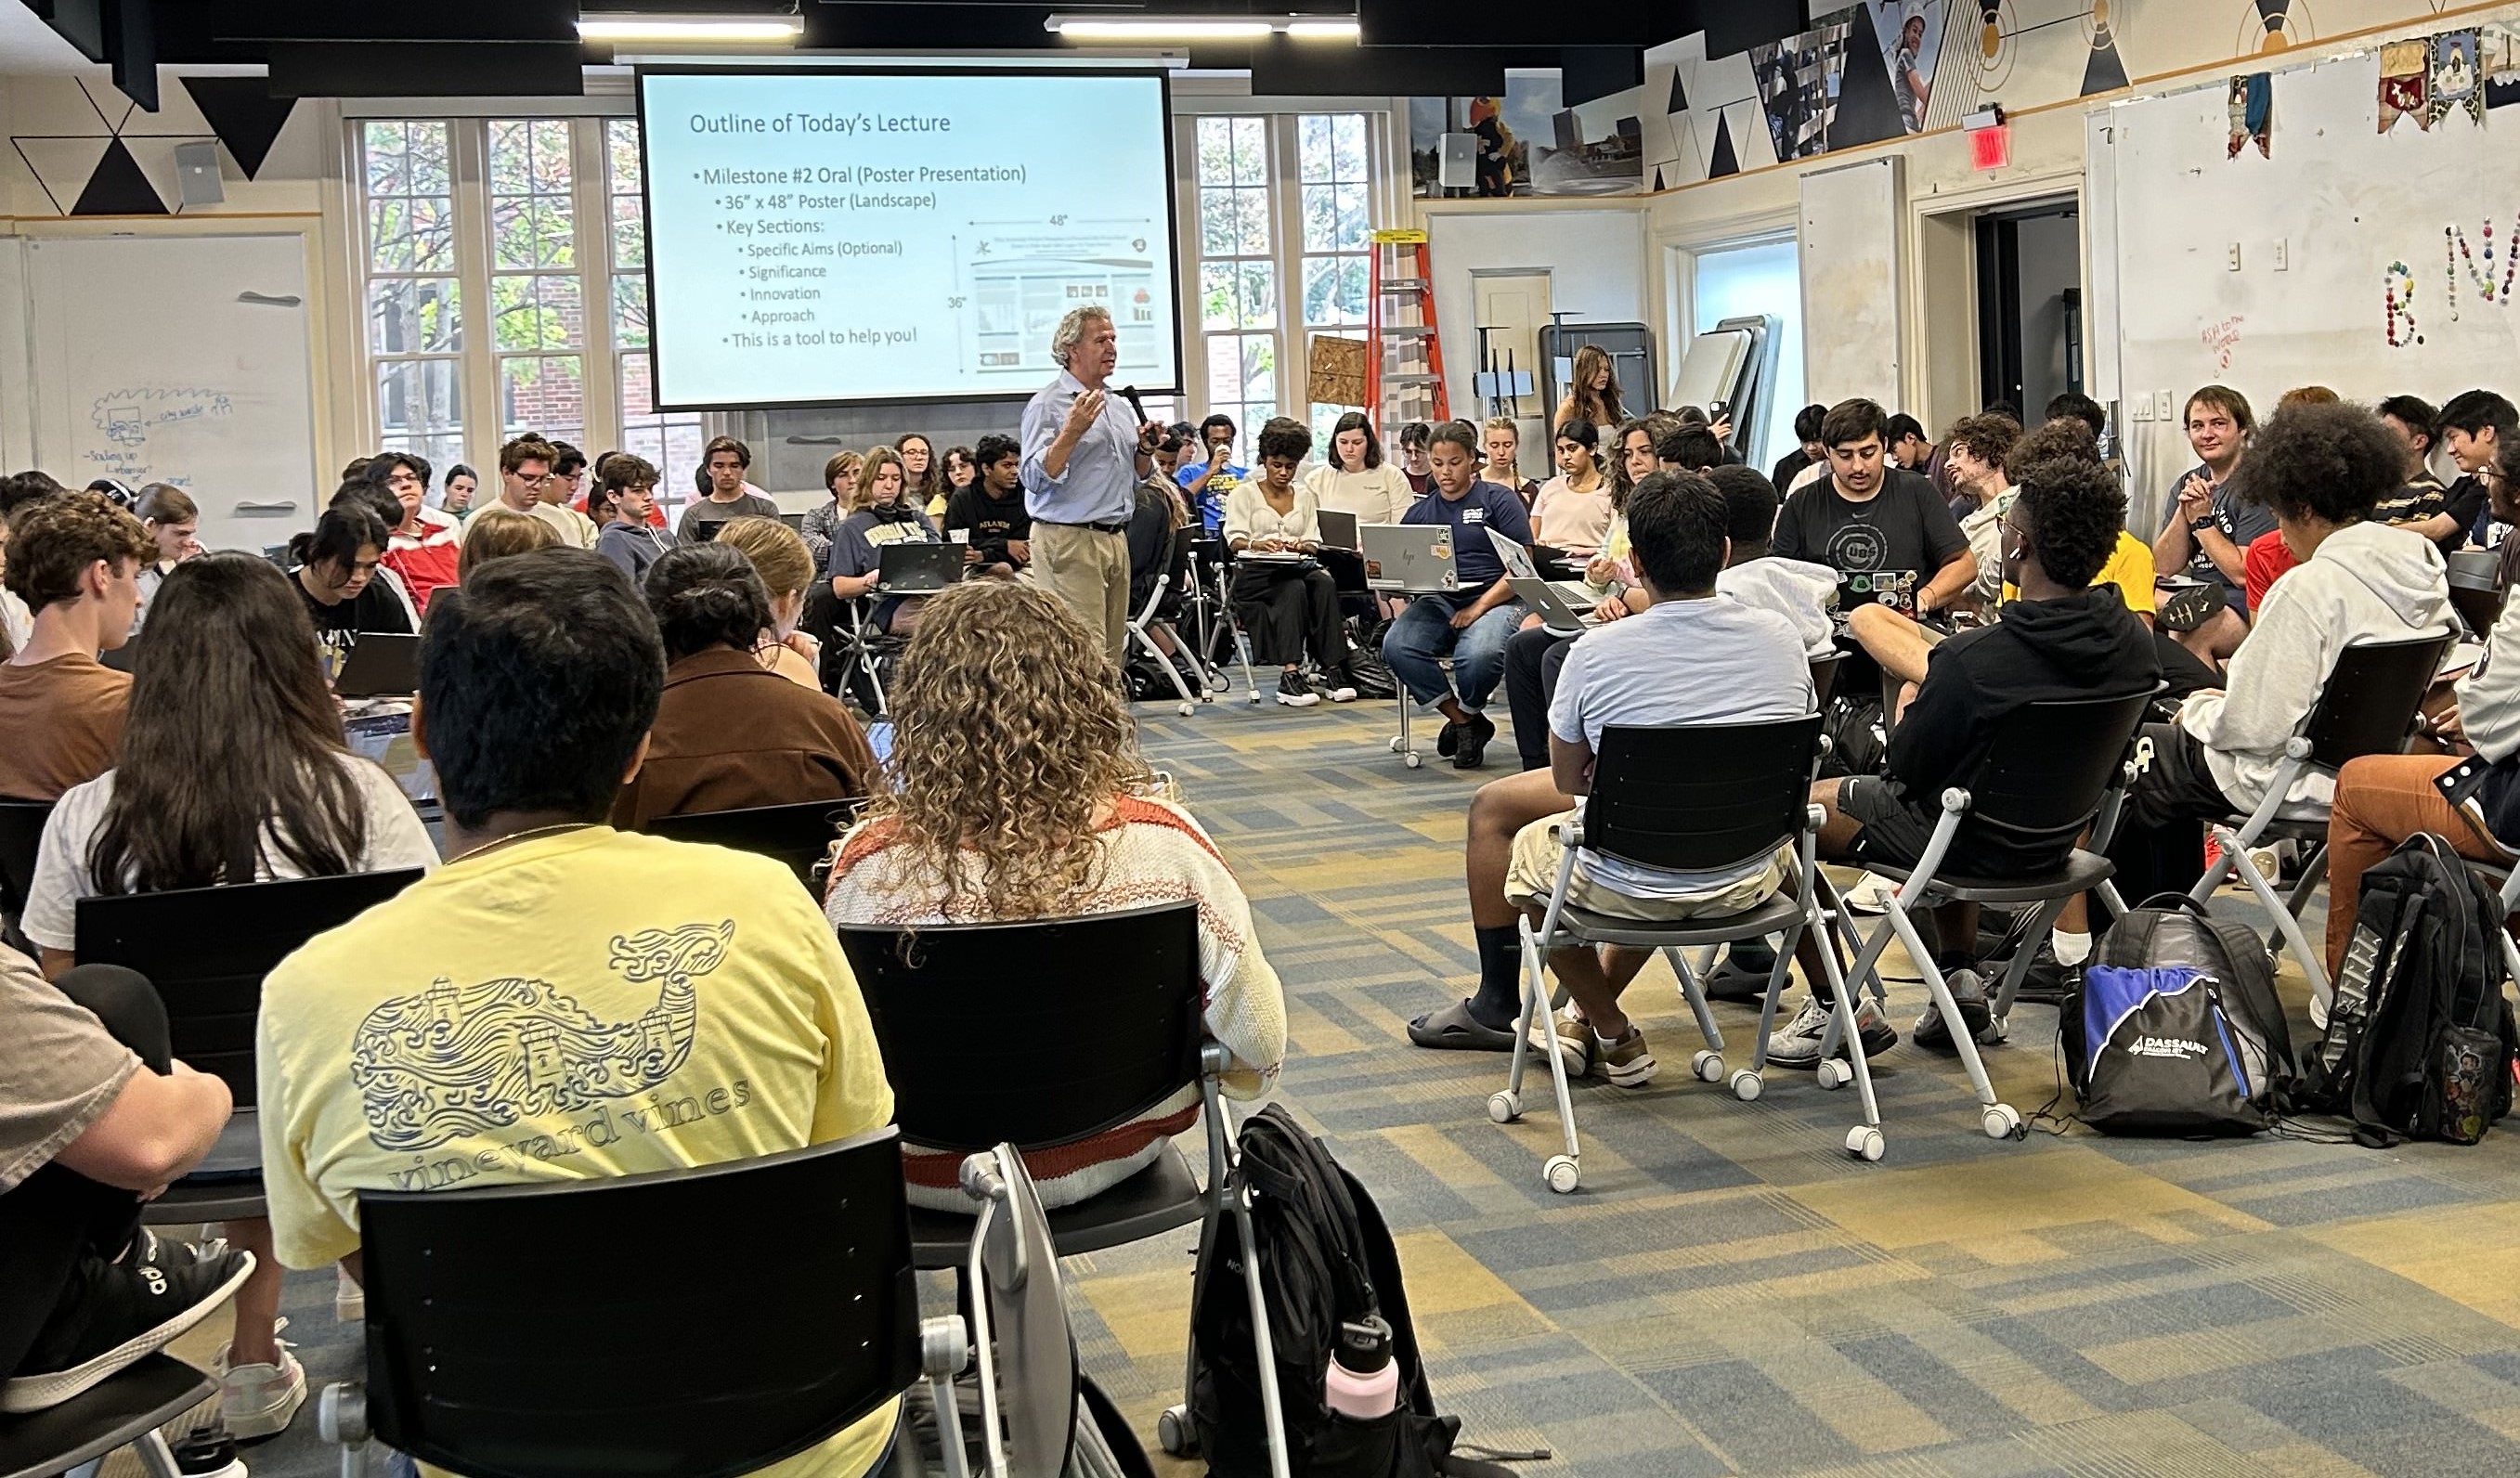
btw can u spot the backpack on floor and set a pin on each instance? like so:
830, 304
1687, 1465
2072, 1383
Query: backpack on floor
1857, 743
1326, 1259
1370, 676
2171, 931
2160, 1056
2419, 1038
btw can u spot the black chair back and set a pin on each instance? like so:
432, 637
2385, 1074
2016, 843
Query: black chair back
1698, 798
2368, 703
206, 951
1040, 1034
486, 1358
2049, 766
799, 835
22, 837
1823, 676
2475, 588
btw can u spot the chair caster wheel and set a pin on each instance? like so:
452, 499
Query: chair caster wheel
1999, 1122
1395, 743
1505, 1105
1187, 708
1561, 1173
1864, 1142
1708, 1065
1996, 1030
1410, 759
1255, 695
1173, 1431
1833, 1073
1746, 1086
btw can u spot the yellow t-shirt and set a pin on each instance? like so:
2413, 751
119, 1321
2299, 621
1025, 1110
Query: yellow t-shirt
583, 1005
2129, 569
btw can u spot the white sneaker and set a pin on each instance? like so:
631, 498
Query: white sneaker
349, 1300
261, 1400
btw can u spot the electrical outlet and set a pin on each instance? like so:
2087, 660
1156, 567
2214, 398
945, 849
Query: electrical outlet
2283, 256
2161, 406
2235, 256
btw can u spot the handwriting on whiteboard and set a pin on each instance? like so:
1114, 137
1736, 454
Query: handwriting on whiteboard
2221, 340
128, 416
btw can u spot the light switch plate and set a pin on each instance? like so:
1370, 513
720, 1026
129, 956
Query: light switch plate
2161, 403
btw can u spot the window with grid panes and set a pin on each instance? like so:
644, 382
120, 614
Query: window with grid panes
1237, 274
672, 440
414, 298
537, 296
1335, 203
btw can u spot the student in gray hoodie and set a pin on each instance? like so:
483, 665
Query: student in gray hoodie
2322, 469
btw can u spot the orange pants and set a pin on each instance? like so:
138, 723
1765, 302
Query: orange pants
2381, 800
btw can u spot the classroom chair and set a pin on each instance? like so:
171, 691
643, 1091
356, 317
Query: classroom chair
1152, 618
2044, 779
21, 837
862, 654
800, 836
1685, 799
125, 1410
1105, 1020
2366, 706
481, 1360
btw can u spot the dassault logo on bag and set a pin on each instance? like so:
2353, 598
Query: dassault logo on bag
2176, 1048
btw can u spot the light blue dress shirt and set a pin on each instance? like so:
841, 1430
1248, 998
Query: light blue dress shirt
1100, 482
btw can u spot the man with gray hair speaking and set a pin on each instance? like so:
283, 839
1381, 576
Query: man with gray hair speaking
1084, 455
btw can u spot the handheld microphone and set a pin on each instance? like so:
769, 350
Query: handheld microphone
1128, 393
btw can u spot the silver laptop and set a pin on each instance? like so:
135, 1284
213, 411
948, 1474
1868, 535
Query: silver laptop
1339, 530
1415, 559
1552, 608
1518, 566
912, 568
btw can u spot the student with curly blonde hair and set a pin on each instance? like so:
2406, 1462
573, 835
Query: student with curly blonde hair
1019, 793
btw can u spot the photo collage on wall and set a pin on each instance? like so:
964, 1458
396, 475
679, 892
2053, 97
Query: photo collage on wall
1530, 143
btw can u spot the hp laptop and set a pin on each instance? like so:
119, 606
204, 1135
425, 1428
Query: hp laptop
1415, 559
916, 570
384, 664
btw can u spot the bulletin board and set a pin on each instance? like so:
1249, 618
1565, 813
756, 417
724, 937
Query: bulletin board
2315, 226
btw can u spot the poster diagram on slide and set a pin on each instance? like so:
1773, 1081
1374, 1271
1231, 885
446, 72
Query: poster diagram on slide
1014, 281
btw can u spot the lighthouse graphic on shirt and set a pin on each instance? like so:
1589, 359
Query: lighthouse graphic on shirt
455, 1060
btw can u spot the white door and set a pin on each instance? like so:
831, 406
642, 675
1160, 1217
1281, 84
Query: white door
1513, 308
181, 359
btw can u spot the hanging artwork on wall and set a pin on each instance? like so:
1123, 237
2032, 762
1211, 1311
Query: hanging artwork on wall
1529, 143
1995, 28
2104, 72
2498, 62
2269, 26
1912, 39
2252, 113
2455, 81
1799, 80
2404, 66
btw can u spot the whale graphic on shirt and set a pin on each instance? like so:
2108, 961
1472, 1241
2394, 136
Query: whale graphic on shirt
459, 1059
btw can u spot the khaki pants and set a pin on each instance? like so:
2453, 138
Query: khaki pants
1089, 569
1533, 870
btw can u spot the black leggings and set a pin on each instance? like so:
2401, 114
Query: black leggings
56, 1215
1284, 611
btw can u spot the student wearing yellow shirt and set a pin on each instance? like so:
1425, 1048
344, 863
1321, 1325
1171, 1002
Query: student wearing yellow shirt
560, 1001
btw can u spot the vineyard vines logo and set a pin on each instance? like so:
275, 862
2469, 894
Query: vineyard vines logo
2178, 1049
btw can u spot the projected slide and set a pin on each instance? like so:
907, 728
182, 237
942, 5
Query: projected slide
843, 236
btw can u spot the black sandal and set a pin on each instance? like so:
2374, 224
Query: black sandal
1454, 1029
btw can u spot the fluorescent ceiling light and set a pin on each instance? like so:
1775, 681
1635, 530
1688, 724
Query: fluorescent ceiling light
1329, 28
621, 26
1157, 29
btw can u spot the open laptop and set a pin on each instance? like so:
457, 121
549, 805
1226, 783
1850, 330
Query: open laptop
1552, 608
1339, 530
796, 521
1518, 566
382, 664
912, 568
1414, 558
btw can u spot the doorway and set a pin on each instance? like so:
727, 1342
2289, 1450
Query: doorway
2030, 305
1509, 308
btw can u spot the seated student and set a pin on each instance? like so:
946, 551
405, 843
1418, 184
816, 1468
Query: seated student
1470, 624
2066, 638
1572, 511
1974, 453
1288, 610
996, 527
1021, 795
1868, 519
75, 559
455, 499
1355, 478
561, 497
1800, 592
2209, 529
423, 545
495, 533
1809, 448
823, 520
1690, 656
677, 975
1209, 480
524, 471
726, 494
2423, 504
1502, 443
778, 555
2475, 425
883, 516
387, 510
231, 727
730, 733
625, 486
1909, 449
1414, 467
1158, 515
335, 574
174, 522
2320, 470
96, 1116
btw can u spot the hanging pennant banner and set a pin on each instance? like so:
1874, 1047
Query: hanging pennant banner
2404, 67
2252, 113
2456, 82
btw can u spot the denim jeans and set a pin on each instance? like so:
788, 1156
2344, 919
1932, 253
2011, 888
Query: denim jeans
1424, 635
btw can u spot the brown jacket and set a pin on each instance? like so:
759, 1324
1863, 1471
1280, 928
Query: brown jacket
731, 734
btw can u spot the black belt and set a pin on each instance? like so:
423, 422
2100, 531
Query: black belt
1117, 526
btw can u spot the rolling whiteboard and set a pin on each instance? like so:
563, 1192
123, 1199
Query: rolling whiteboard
1851, 292
2341, 202
182, 360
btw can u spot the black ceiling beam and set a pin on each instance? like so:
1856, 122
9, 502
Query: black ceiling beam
403, 68
1732, 26
1518, 23
1284, 67
238, 31
1587, 73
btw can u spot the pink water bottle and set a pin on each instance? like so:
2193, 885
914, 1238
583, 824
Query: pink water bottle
1363, 1381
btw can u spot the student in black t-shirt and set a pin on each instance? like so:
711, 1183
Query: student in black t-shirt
336, 573
2473, 427
2209, 531
1890, 539
1808, 447
990, 513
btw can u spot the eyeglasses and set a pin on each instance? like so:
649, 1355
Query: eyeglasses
534, 481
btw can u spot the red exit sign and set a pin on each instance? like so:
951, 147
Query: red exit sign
1991, 148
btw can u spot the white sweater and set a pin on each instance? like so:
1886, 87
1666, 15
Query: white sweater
1377, 495
2367, 583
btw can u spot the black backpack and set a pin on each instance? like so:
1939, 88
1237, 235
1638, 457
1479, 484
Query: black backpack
2173, 932
2419, 1038
1326, 1259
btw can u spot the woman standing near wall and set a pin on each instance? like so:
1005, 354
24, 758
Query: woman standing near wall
1593, 393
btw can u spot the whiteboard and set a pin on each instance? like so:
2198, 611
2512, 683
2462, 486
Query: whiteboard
1850, 269
2342, 200
182, 359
